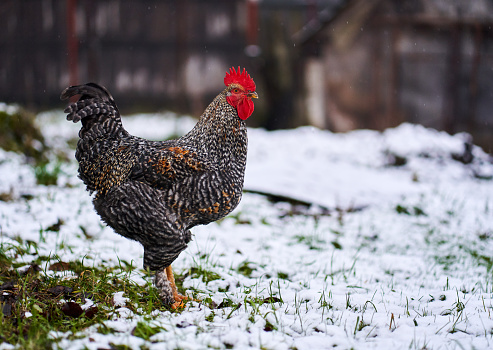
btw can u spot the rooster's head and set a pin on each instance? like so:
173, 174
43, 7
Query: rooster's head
240, 89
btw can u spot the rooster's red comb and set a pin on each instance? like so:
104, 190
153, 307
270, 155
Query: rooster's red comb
238, 77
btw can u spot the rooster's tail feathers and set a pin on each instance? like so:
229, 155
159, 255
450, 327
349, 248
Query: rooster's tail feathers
94, 100
89, 90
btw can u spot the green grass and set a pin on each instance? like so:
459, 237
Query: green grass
146, 331
35, 302
47, 173
20, 133
200, 273
40, 308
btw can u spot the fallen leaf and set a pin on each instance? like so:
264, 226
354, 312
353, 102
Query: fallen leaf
58, 290
72, 309
91, 312
59, 266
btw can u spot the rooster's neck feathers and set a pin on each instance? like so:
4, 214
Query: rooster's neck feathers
220, 133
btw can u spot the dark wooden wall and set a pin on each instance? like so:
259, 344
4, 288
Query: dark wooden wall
394, 65
154, 53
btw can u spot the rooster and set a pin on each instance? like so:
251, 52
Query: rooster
154, 192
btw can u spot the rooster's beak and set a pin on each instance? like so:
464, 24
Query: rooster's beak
252, 95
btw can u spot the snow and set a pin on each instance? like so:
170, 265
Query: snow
403, 260
119, 299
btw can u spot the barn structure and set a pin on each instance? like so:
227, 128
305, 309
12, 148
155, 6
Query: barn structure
335, 64
378, 63
149, 53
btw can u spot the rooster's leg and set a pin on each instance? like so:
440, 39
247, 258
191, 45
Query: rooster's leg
177, 296
164, 287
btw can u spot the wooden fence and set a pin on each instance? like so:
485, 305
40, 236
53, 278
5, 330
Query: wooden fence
164, 53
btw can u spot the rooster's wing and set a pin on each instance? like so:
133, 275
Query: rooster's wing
164, 164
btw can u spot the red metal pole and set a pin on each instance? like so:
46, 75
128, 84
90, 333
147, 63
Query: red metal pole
252, 18
72, 43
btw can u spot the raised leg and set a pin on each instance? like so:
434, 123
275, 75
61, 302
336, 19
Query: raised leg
177, 296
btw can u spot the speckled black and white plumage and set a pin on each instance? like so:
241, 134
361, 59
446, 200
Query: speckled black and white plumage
155, 192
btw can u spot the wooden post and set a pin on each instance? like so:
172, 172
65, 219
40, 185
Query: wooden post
473, 84
181, 50
72, 43
92, 45
376, 56
393, 119
451, 95
252, 26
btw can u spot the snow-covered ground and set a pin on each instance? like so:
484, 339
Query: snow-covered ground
403, 259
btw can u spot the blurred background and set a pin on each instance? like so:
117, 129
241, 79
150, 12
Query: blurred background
334, 64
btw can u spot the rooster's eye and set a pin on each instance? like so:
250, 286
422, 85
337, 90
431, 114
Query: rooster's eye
236, 90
